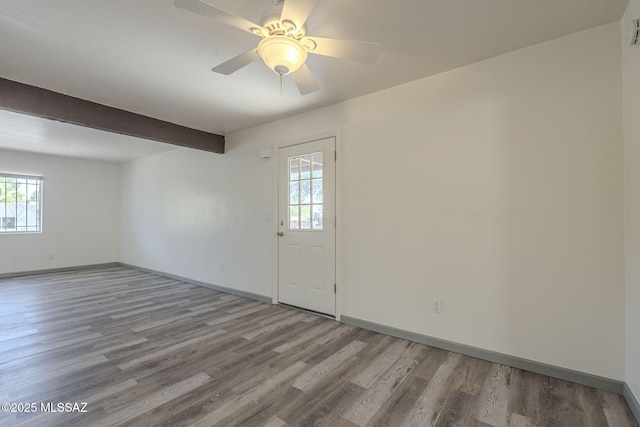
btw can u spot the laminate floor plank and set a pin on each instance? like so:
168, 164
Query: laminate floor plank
380, 364
444, 381
430, 363
321, 409
40, 348
311, 333
182, 410
275, 422
273, 326
364, 408
518, 420
494, 396
243, 401
278, 337
590, 412
399, 403
152, 401
77, 385
315, 375
145, 350
317, 353
17, 333
458, 411
166, 351
616, 410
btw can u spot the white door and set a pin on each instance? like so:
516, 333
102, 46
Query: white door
306, 220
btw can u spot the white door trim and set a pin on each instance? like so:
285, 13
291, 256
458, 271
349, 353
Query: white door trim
338, 196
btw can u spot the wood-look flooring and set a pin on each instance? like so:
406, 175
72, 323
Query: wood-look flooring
144, 350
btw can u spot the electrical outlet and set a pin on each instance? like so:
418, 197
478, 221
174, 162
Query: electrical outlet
436, 305
221, 268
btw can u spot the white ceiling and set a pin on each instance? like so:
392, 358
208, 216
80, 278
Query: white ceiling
151, 58
20, 132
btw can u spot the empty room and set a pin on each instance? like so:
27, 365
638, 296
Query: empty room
320, 213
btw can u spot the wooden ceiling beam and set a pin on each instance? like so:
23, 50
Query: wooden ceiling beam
35, 101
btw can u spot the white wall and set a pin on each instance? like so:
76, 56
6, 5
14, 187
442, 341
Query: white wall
80, 220
200, 215
497, 187
631, 85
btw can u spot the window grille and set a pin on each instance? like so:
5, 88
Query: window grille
305, 192
20, 203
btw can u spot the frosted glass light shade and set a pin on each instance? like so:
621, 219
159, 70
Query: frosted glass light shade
282, 54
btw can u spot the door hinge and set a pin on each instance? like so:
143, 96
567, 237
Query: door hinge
335, 155
335, 288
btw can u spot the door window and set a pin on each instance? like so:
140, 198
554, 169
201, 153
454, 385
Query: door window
305, 192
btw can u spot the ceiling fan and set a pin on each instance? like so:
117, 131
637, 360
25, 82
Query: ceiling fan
284, 43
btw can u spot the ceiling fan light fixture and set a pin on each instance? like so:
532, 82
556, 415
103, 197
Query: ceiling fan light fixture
282, 54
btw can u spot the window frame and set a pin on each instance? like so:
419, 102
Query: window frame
38, 203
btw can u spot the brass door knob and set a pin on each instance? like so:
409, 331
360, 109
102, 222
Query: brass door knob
280, 233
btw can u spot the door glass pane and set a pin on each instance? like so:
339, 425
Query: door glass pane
317, 217
317, 191
305, 191
305, 217
294, 218
305, 166
294, 168
316, 165
294, 193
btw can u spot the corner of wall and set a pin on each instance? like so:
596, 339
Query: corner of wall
631, 126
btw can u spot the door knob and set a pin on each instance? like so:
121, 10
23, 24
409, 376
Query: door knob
280, 233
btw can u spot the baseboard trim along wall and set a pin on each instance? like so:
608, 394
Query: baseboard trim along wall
58, 270
633, 402
491, 356
232, 291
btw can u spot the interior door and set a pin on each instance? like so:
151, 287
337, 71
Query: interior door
307, 232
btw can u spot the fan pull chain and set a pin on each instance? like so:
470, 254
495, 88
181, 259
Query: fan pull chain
280, 84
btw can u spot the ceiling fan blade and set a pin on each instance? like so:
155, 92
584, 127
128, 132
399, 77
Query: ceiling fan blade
366, 52
211, 11
304, 80
234, 64
297, 11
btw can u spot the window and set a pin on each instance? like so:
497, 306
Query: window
305, 192
20, 203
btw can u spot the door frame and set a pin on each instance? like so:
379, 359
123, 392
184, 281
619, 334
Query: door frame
338, 229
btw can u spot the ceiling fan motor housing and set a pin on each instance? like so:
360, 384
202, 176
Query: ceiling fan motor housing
276, 27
